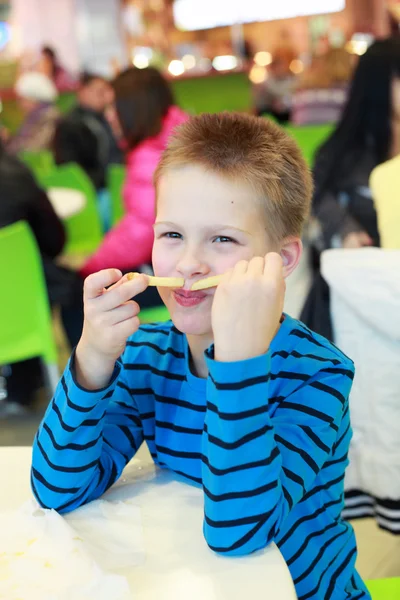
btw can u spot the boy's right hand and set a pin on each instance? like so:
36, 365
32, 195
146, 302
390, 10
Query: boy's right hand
110, 318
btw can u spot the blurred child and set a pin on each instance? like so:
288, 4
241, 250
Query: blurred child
232, 394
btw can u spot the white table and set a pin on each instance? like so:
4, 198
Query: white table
178, 564
66, 202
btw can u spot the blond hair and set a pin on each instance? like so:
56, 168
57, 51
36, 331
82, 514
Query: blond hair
251, 150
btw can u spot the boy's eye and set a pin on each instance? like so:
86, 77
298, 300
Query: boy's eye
172, 235
223, 239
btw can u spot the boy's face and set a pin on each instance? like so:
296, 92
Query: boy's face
205, 224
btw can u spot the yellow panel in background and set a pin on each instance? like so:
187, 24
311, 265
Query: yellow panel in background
385, 187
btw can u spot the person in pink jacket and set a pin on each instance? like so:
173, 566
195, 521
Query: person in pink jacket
147, 116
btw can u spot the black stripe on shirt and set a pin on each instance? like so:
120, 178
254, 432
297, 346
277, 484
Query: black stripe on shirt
53, 488
305, 336
240, 385
182, 403
88, 422
238, 416
249, 437
178, 453
177, 428
135, 391
322, 387
323, 486
338, 572
128, 434
146, 367
295, 354
244, 494
81, 409
346, 372
309, 432
288, 497
61, 469
288, 535
304, 455
310, 411
162, 351
304, 545
242, 541
70, 446
294, 477
318, 556
238, 522
265, 462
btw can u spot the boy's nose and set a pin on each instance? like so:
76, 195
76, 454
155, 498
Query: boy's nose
191, 266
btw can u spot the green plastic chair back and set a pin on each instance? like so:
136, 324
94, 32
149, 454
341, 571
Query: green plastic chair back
40, 163
26, 327
309, 138
84, 230
384, 589
158, 314
115, 180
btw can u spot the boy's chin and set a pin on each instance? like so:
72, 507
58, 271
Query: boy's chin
192, 324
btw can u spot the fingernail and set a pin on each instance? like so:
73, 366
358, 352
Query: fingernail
130, 276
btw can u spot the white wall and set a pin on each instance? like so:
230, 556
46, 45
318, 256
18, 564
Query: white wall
86, 34
51, 22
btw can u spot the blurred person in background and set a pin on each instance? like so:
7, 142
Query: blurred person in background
50, 65
85, 136
275, 96
147, 116
36, 95
367, 135
321, 91
22, 199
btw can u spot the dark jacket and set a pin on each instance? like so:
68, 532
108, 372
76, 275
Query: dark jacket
341, 207
85, 137
345, 205
22, 199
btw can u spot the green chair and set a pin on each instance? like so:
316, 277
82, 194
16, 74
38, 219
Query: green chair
384, 589
84, 230
40, 163
309, 138
158, 314
26, 326
115, 181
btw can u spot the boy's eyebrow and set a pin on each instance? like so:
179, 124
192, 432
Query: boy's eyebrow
212, 228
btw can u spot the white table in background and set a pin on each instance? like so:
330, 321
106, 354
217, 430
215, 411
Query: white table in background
66, 202
178, 563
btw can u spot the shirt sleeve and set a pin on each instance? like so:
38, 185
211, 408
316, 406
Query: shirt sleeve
257, 468
84, 442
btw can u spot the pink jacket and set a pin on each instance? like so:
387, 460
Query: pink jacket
129, 244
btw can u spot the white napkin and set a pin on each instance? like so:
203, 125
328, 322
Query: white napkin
46, 556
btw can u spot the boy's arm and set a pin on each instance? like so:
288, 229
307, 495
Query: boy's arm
256, 469
84, 442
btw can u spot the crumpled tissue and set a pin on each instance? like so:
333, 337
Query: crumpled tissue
47, 556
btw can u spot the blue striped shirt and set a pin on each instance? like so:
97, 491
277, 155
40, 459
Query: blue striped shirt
266, 438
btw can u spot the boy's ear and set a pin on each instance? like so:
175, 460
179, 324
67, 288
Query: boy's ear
291, 251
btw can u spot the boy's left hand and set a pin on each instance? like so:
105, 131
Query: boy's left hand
247, 308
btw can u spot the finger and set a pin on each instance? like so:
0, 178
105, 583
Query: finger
256, 266
127, 328
123, 279
273, 264
240, 268
122, 293
126, 311
94, 284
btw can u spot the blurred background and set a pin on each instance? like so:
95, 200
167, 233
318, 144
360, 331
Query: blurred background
90, 91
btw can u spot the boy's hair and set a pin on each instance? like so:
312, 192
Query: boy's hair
251, 150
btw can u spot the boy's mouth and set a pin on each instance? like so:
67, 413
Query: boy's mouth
188, 298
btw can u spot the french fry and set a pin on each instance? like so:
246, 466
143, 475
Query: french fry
209, 282
172, 282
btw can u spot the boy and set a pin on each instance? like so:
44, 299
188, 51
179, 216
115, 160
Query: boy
234, 396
